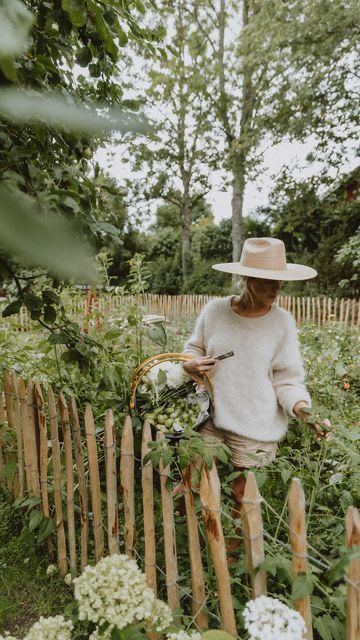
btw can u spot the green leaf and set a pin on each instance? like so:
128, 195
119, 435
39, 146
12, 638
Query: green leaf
35, 519
216, 634
161, 377
47, 527
49, 314
50, 240
321, 625
13, 307
15, 23
302, 586
84, 57
157, 334
76, 10
29, 107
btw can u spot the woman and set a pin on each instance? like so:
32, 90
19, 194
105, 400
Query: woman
263, 383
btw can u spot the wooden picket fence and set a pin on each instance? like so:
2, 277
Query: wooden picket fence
317, 310
66, 461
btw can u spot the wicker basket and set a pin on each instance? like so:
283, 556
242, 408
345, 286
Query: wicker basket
151, 362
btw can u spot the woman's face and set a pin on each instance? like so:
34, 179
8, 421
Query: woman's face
265, 291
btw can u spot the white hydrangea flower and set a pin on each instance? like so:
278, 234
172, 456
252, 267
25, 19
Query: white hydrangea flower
269, 619
161, 616
52, 628
51, 570
184, 635
68, 579
114, 591
175, 374
7, 637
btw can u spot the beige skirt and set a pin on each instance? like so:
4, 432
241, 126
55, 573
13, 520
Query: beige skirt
245, 452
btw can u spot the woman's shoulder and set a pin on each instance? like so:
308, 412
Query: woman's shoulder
284, 318
216, 305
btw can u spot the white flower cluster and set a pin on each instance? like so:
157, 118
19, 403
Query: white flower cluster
7, 637
52, 628
269, 619
184, 635
175, 374
115, 591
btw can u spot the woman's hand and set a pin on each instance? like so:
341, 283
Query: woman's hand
321, 427
197, 367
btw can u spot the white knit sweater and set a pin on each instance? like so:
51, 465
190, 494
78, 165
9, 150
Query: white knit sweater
261, 383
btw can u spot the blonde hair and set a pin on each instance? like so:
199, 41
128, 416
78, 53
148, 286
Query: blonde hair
246, 298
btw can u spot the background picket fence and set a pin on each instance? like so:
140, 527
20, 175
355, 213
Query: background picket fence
67, 464
318, 310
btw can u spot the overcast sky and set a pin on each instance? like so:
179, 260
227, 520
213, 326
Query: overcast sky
257, 192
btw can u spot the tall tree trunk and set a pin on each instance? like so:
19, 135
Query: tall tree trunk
237, 202
240, 153
186, 226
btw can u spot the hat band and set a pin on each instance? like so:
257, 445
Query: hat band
264, 262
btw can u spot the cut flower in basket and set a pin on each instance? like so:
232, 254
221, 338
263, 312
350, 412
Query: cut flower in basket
170, 399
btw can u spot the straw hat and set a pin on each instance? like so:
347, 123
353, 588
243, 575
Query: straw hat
266, 258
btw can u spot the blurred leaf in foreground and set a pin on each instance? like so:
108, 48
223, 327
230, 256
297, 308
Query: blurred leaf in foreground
15, 24
37, 239
25, 107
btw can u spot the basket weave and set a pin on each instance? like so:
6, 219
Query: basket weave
151, 362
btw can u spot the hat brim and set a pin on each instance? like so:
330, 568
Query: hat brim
292, 271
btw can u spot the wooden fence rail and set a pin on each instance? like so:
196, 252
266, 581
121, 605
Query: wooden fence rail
317, 310
63, 460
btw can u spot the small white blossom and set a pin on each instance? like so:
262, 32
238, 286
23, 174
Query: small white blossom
160, 618
175, 374
68, 579
184, 635
53, 628
114, 591
7, 637
269, 619
51, 570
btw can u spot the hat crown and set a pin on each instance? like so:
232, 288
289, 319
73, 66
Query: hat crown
264, 253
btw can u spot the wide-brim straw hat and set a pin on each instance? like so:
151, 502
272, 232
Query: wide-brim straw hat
266, 258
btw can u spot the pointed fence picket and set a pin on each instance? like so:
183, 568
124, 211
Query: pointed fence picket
80, 460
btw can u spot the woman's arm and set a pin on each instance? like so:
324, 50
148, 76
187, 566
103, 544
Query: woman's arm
196, 346
288, 373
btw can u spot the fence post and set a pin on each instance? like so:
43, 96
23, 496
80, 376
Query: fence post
83, 494
34, 437
253, 535
148, 507
17, 481
197, 573
2, 456
94, 482
211, 509
297, 528
60, 531
169, 535
22, 434
127, 481
69, 470
352, 522
43, 459
111, 483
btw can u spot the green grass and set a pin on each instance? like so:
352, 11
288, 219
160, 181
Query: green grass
26, 592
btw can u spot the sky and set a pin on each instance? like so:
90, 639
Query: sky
257, 191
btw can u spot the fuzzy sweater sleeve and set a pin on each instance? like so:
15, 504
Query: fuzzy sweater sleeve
196, 344
288, 371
